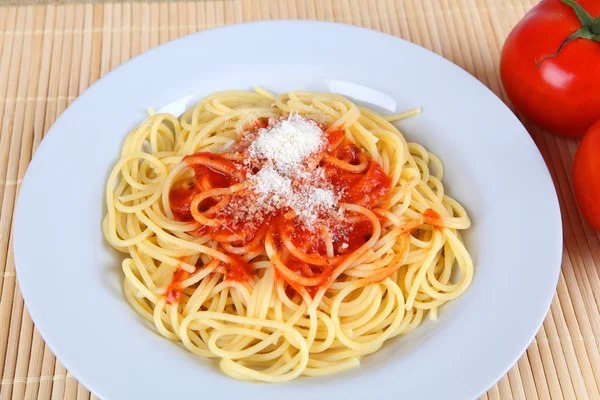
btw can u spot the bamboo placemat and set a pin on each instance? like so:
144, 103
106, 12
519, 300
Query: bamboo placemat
50, 54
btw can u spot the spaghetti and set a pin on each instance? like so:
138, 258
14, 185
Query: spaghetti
284, 235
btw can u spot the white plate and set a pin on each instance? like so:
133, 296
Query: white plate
71, 280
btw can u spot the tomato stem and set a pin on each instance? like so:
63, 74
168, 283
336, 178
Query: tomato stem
582, 14
595, 26
590, 29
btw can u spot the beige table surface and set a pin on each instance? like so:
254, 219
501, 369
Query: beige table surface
49, 54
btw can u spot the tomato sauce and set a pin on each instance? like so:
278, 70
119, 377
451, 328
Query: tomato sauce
238, 270
174, 290
433, 218
366, 188
180, 199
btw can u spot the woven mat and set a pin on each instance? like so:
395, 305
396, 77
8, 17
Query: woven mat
50, 54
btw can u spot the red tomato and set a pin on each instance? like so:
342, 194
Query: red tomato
560, 93
586, 176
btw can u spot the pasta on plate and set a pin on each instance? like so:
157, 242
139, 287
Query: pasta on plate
283, 235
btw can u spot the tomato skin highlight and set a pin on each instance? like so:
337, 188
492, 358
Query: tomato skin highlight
560, 94
586, 176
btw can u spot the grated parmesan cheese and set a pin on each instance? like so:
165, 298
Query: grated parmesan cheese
287, 143
282, 177
268, 182
305, 198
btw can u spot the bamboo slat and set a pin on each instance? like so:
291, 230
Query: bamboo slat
51, 53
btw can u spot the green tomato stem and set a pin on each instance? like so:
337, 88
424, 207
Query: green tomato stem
590, 29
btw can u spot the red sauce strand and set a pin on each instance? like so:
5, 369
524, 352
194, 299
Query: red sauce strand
433, 218
174, 290
239, 270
